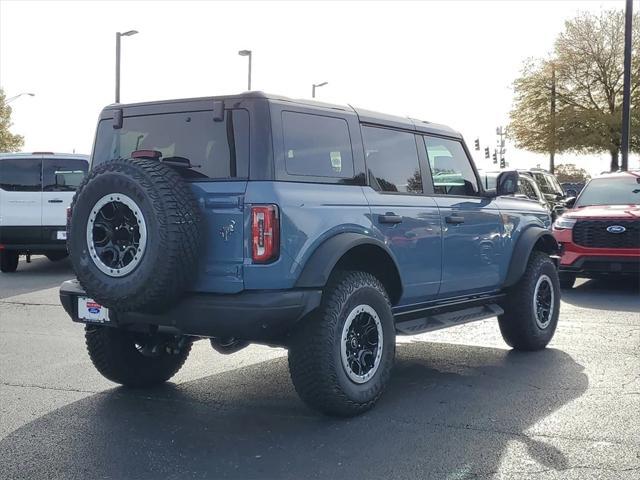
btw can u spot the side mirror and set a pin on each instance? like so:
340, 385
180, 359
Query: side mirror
507, 183
570, 202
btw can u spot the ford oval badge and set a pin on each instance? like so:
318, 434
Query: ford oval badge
616, 229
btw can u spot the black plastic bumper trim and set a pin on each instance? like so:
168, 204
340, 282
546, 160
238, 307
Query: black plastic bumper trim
251, 315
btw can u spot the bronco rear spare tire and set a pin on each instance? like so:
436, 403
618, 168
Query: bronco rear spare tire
134, 235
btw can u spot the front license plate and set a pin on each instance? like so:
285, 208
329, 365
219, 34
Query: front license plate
90, 311
61, 234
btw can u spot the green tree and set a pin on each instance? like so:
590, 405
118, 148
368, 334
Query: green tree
587, 64
9, 142
569, 172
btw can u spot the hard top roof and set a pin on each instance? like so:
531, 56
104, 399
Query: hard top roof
366, 116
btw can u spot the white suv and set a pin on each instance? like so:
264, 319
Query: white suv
35, 191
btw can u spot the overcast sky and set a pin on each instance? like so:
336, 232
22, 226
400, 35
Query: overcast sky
448, 62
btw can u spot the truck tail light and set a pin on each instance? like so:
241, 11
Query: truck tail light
265, 233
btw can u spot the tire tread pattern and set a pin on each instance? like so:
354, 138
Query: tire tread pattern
179, 236
312, 364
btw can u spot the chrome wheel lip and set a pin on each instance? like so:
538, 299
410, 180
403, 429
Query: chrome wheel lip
353, 376
544, 322
142, 228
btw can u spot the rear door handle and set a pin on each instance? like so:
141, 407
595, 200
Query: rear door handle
390, 217
454, 219
55, 200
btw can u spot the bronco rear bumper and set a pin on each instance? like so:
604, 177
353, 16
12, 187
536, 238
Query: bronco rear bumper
264, 315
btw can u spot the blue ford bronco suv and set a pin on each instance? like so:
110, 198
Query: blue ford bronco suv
324, 229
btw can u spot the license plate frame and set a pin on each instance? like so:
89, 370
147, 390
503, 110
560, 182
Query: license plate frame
91, 311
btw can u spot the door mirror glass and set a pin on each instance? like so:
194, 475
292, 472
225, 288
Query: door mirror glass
570, 202
507, 183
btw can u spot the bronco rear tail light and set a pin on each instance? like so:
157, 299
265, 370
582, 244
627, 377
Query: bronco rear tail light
265, 233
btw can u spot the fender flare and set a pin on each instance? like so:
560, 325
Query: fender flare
318, 268
524, 247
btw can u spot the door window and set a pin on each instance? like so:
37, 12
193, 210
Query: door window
392, 160
317, 145
20, 174
525, 187
63, 175
450, 167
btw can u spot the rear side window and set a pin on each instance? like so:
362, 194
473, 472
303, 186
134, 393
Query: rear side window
317, 146
450, 167
392, 160
20, 174
62, 175
214, 150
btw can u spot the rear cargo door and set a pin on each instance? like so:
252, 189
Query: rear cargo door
220, 269
210, 150
20, 201
60, 179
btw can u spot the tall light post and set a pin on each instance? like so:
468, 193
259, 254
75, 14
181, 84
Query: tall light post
11, 99
626, 88
247, 53
118, 36
316, 85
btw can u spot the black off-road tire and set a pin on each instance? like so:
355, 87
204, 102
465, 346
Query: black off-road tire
315, 361
518, 324
114, 354
567, 280
56, 256
8, 261
173, 224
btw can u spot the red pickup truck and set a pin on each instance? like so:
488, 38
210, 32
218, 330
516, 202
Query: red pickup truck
600, 232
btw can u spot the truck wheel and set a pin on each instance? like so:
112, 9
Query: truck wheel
8, 261
341, 357
133, 359
532, 306
56, 256
567, 280
134, 235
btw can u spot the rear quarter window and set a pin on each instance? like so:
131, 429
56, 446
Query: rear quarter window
317, 145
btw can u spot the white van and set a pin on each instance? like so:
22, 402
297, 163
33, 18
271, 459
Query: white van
35, 191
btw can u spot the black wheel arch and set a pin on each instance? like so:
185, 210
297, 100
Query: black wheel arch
352, 251
532, 239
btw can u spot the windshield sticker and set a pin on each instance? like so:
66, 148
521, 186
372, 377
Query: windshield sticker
336, 161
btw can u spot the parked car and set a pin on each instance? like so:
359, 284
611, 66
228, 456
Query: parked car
550, 188
35, 191
600, 233
572, 189
527, 189
325, 229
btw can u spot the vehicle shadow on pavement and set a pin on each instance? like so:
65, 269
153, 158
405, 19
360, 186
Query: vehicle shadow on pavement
40, 274
616, 293
450, 412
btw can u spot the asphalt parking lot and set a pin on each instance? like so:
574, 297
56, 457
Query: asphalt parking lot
461, 405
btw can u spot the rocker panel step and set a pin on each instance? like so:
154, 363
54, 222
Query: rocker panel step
437, 321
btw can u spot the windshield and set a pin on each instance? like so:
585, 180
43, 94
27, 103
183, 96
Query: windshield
611, 191
218, 150
548, 184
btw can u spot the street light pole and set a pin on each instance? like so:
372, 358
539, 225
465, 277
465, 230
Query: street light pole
626, 88
316, 85
11, 99
118, 36
247, 53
